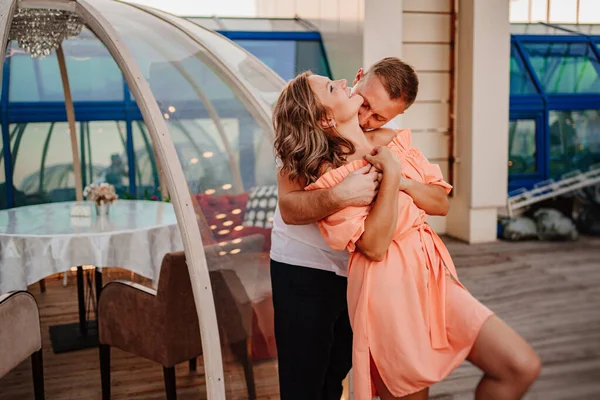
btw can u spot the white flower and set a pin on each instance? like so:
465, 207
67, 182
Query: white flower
101, 193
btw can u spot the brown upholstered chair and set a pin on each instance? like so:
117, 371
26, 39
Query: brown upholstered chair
163, 325
20, 336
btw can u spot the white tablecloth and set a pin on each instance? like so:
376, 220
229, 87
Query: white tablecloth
38, 241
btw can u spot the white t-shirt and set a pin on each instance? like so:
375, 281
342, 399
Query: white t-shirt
303, 245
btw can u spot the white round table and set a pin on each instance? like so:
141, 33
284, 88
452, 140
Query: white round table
42, 240
38, 241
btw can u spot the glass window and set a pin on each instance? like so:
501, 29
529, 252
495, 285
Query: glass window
279, 55
262, 81
522, 152
574, 141
35, 80
146, 171
43, 167
565, 67
309, 56
104, 158
288, 57
230, 158
520, 81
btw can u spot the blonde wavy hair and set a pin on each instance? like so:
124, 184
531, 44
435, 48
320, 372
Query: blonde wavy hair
301, 143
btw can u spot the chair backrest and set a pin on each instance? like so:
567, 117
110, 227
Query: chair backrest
175, 290
233, 307
175, 296
20, 334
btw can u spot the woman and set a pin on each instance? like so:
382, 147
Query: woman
413, 321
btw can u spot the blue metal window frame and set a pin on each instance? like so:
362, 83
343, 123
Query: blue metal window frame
294, 36
528, 180
539, 106
8, 176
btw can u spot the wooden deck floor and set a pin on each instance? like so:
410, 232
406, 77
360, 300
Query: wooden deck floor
549, 292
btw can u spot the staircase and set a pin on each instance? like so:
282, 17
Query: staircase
569, 182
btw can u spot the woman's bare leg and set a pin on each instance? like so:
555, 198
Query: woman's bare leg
509, 363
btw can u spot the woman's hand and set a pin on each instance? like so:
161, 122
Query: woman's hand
381, 222
384, 160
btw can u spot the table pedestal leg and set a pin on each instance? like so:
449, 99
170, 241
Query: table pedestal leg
82, 334
83, 328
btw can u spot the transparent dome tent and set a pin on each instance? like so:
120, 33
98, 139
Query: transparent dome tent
163, 109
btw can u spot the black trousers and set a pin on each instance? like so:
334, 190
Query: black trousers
312, 330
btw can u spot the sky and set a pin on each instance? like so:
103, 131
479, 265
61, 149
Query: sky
520, 10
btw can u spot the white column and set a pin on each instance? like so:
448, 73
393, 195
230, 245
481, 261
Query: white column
382, 36
382, 33
482, 97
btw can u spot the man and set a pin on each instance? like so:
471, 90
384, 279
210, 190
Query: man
312, 328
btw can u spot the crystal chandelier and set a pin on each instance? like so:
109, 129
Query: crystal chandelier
40, 31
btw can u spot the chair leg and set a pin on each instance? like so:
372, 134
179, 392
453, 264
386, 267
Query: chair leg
37, 367
193, 364
170, 385
42, 285
241, 351
105, 370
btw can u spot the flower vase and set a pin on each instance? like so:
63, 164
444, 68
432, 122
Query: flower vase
102, 209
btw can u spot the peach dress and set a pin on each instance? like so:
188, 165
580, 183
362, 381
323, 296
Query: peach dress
410, 314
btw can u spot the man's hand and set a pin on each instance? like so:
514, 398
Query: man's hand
359, 188
300, 207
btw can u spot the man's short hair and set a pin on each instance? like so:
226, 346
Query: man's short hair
399, 79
